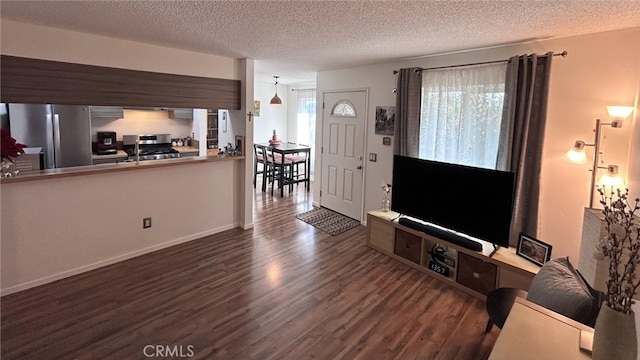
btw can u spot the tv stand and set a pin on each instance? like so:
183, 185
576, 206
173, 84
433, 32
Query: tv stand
475, 268
441, 234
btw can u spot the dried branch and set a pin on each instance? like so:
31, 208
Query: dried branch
622, 246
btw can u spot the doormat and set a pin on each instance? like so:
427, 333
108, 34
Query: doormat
328, 221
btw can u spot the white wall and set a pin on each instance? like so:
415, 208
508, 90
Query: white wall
56, 228
59, 227
633, 180
246, 75
33, 41
272, 117
601, 69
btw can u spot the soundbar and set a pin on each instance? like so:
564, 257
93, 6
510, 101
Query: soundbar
441, 234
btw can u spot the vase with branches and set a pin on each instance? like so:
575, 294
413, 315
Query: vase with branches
615, 330
621, 246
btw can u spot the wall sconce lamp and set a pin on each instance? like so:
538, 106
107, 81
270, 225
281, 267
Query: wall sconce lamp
577, 153
276, 100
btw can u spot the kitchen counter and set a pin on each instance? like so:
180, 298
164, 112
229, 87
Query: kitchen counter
186, 149
107, 168
120, 154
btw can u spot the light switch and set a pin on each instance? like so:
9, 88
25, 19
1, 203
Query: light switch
373, 157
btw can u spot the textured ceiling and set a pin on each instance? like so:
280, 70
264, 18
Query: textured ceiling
294, 39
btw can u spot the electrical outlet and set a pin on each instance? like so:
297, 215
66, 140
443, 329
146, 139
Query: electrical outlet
146, 223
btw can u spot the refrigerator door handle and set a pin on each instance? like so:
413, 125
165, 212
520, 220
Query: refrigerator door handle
50, 150
56, 137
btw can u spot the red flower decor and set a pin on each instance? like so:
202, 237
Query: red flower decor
10, 148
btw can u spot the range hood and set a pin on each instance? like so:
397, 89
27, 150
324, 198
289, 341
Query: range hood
148, 108
174, 113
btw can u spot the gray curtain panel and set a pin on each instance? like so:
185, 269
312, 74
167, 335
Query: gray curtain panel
408, 104
522, 136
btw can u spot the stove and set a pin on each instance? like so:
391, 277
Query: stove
150, 147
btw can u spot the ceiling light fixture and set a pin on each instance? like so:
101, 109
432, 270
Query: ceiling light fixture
276, 100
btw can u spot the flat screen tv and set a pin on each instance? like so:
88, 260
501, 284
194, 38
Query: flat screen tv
473, 201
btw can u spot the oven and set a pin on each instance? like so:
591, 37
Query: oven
149, 147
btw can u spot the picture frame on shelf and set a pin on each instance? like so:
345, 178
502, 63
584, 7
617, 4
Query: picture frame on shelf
534, 250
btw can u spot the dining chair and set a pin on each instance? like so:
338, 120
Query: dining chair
260, 158
297, 160
278, 168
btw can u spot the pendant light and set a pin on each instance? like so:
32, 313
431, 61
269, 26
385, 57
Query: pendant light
276, 100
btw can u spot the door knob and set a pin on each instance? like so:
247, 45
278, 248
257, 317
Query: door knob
359, 167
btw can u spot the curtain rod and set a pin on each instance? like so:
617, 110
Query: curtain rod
303, 89
563, 54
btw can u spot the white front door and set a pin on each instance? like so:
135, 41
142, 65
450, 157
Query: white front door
343, 129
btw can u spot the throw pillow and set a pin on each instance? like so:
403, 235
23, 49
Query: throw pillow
559, 287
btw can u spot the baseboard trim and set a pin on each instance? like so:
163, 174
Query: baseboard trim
112, 260
246, 226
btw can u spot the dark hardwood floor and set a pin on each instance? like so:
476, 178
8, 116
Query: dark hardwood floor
283, 290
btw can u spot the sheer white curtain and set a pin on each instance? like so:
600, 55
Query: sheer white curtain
461, 114
306, 119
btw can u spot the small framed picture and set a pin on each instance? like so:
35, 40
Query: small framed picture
386, 140
385, 120
533, 249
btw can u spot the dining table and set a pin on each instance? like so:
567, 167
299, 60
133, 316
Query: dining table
286, 149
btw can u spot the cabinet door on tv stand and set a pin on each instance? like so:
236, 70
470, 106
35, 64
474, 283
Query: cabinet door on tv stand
381, 234
408, 246
476, 274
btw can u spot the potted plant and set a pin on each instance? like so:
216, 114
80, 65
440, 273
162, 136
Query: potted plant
10, 148
615, 329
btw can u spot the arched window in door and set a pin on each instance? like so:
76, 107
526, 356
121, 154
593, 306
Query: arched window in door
343, 108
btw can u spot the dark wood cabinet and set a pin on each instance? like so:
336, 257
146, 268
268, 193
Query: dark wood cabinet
476, 274
408, 246
27, 80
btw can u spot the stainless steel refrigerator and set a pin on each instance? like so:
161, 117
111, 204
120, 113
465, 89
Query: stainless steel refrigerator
63, 132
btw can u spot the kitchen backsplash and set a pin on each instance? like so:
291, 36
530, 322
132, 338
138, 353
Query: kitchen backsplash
143, 122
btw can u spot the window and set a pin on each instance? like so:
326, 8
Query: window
344, 108
306, 120
306, 116
461, 114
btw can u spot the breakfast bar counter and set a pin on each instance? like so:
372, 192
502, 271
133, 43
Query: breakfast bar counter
117, 167
61, 222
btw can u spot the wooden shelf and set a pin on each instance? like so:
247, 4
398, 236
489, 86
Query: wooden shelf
475, 272
212, 129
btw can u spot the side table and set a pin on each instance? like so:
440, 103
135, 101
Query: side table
532, 332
